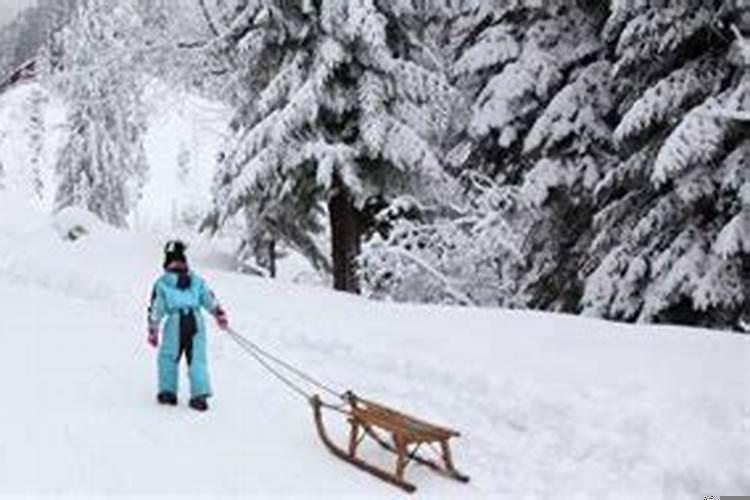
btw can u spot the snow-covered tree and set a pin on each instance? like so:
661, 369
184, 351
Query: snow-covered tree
665, 232
96, 72
541, 93
35, 130
457, 254
743, 47
514, 63
24, 36
344, 111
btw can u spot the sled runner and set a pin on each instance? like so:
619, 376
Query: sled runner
369, 419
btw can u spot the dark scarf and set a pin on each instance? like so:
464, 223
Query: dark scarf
183, 278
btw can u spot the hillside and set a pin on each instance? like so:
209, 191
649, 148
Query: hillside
550, 405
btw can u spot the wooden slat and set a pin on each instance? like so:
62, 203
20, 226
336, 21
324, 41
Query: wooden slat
395, 421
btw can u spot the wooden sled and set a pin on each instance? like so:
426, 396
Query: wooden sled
368, 419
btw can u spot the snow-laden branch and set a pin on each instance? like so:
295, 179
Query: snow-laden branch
734, 115
207, 16
743, 43
461, 297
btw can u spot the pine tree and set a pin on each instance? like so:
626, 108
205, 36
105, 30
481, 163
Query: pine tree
347, 110
36, 131
665, 244
541, 88
522, 57
102, 165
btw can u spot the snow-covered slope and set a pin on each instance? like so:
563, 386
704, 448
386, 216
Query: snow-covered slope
550, 406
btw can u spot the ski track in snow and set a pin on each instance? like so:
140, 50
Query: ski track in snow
549, 406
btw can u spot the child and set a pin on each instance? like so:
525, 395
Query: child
179, 294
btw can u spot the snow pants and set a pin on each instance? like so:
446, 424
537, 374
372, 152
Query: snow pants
184, 333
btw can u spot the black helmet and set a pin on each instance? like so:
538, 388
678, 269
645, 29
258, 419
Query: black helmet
174, 251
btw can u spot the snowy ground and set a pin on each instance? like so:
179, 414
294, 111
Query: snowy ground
550, 406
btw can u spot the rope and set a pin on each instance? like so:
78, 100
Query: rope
264, 358
337, 408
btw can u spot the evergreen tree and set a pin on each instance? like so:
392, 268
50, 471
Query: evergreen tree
36, 131
522, 56
346, 111
667, 212
96, 72
540, 83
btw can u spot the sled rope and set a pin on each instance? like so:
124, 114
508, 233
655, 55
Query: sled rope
265, 359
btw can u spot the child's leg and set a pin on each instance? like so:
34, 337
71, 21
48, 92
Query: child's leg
169, 359
198, 368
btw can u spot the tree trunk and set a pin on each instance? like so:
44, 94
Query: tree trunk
345, 240
272, 257
744, 319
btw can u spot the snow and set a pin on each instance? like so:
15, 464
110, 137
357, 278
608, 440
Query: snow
176, 121
549, 405
15, 148
178, 124
495, 46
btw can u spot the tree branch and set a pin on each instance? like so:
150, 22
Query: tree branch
461, 297
743, 43
207, 17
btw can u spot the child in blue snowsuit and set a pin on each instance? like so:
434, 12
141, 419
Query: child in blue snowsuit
179, 295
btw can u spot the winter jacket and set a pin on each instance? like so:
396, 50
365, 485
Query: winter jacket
179, 297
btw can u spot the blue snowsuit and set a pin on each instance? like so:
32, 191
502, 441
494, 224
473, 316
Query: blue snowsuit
180, 297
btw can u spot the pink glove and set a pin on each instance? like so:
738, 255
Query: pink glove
221, 318
153, 335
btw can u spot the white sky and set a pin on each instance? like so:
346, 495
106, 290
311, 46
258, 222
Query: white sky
9, 8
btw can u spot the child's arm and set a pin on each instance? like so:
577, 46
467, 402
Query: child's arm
211, 304
156, 312
156, 308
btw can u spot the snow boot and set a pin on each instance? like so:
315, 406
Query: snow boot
167, 398
199, 403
